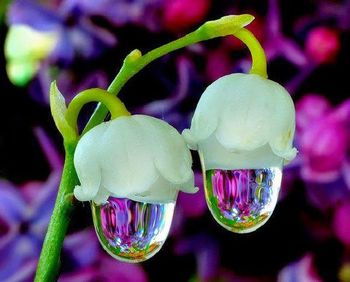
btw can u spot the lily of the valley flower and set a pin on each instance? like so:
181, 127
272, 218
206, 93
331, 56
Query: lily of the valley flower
243, 121
136, 157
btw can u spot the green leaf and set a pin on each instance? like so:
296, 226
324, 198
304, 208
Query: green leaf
58, 111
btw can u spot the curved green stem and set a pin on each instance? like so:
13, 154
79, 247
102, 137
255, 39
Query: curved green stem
111, 102
258, 54
135, 61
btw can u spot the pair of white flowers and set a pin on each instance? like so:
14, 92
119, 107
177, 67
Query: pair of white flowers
242, 121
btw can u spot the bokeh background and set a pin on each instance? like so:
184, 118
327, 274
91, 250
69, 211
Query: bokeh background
81, 44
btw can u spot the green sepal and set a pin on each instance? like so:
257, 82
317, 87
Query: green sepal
58, 111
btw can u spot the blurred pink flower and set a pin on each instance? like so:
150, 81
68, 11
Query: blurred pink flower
310, 109
322, 137
322, 44
182, 14
341, 223
324, 149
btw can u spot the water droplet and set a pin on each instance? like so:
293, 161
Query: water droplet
242, 200
132, 231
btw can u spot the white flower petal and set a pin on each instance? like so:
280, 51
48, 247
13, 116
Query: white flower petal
254, 118
136, 157
215, 156
188, 186
190, 140
85, 162
205, 121
161, 191
170, 154
242, 122
101, 196
126, 165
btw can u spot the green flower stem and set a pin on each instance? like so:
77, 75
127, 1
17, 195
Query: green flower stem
49, 261
258, 54
112, 103
231, 25
135, 61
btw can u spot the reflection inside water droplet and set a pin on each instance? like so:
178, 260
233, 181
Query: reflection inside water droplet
132, 231
242, 200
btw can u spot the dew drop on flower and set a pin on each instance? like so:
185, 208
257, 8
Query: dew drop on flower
132, 231
242, 200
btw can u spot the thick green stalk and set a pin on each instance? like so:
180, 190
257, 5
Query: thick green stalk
50, 254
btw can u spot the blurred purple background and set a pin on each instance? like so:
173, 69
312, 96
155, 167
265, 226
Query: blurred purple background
307, 44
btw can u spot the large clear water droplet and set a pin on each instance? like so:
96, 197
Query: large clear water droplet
132, 231
242, 200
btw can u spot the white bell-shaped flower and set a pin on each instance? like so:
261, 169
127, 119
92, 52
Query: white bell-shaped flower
243, 121
136, 157
243, 128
